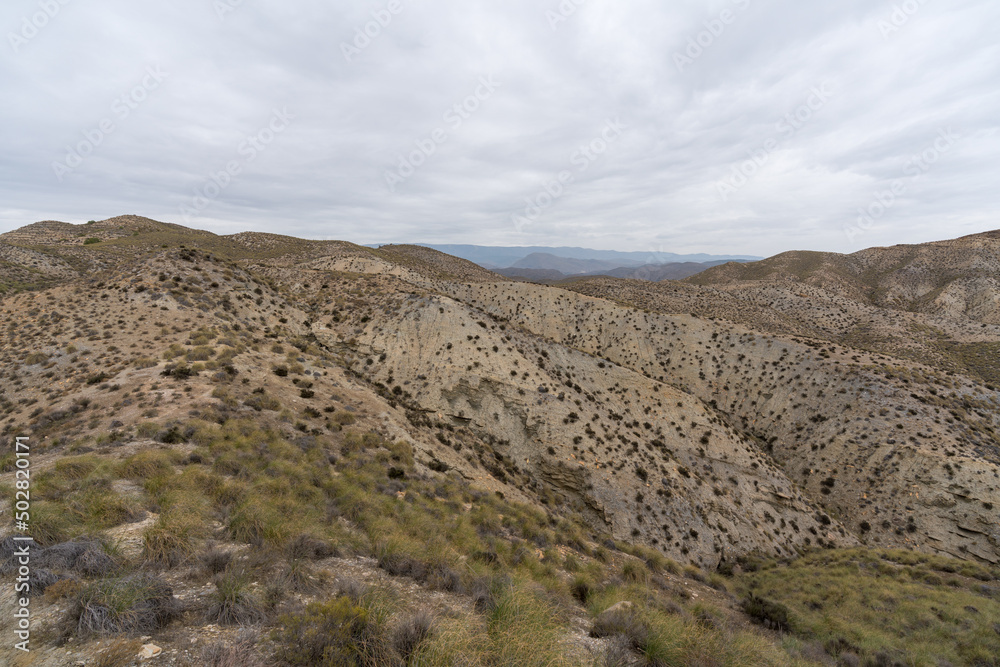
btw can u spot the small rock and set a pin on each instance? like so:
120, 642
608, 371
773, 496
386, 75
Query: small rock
149, 651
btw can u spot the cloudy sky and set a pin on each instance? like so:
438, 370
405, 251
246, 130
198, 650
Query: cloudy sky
722, 126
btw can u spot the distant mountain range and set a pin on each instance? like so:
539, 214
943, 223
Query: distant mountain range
550, 264
528, 269
501, 257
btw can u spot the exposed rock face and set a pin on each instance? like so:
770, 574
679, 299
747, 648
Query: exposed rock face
648, 460
861, 440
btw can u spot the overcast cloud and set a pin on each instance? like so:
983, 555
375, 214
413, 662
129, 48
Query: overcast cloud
728, 126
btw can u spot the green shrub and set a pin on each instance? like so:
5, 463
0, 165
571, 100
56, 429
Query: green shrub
101, 510
299, 577
170, 436
261, 402
146, 464
173, 539
184, 508
175, 350
334, 633
144, 362
257, 521
523, 629
626, 621
135, 604
200, 353
181, 371
344, 418
582, 588
97, 379
76, 467
880, 602
36, 358
411, 633
718, 582
773, 615
232, 602
635, 572
51, 523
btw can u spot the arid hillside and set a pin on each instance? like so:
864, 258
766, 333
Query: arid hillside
300, 409
954, 279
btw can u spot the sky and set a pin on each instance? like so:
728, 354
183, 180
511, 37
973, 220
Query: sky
719, 126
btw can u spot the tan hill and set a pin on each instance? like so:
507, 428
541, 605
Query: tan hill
835, 418
951, 345
955, 279
253, 424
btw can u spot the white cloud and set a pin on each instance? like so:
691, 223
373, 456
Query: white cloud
656, 186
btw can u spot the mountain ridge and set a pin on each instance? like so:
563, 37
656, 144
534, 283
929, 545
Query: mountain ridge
506, 256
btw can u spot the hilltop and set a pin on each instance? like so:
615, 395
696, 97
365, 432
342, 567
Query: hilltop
212, 413
955, 279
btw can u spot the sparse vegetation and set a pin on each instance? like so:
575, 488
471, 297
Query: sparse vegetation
130, 605
879, 605
205, 412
